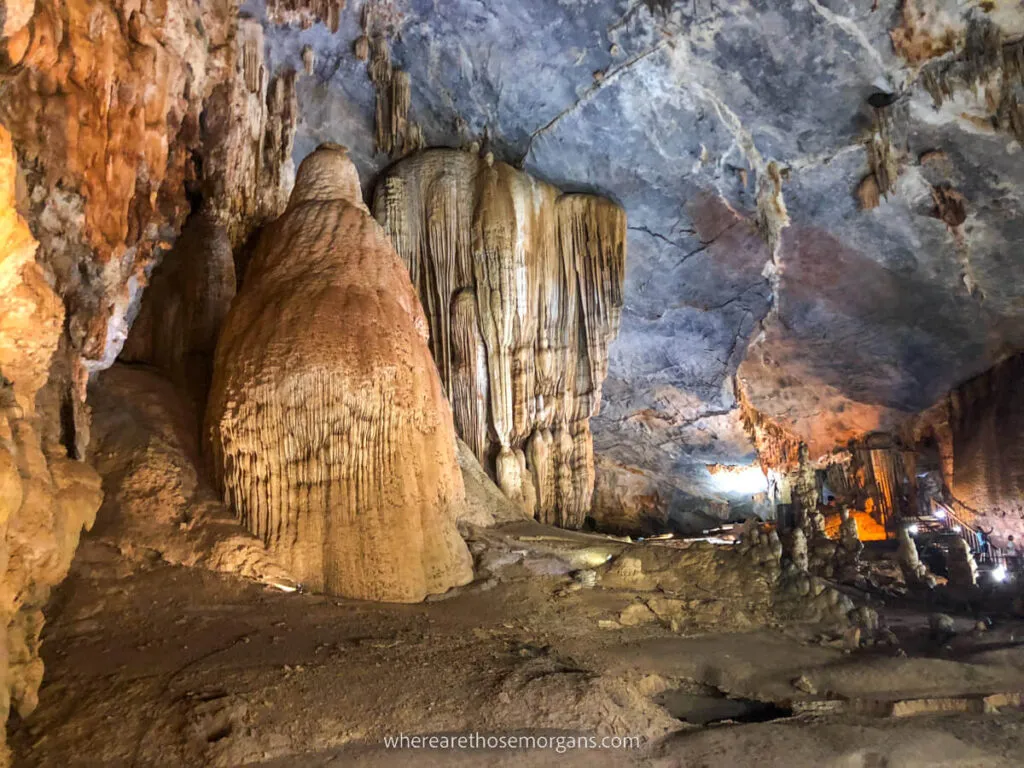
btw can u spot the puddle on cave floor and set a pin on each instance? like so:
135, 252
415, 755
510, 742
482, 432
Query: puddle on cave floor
708, 709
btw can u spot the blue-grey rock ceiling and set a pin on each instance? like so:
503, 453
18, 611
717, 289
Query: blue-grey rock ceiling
675, 115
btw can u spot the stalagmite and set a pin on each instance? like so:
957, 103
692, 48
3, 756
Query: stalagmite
330, 434
522, 287
963, 570
914, 571
798, 549
847, 554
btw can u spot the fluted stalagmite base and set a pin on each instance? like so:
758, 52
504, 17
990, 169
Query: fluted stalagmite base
330, 432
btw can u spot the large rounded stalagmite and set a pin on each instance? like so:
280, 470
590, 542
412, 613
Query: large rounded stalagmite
331, 436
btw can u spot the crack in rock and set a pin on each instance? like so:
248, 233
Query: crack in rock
591, 91
850, 27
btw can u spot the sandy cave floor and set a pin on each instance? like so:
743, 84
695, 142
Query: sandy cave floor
149, 664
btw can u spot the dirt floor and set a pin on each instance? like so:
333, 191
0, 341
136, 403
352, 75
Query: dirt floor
151, 664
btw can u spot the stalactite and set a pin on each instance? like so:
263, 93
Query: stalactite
394, 133
330, 434
886, 148
249, 127
986, 65
468, 392
546, 272
887, 470
776, 448
305, 13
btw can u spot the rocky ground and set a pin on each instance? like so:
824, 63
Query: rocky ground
152, 664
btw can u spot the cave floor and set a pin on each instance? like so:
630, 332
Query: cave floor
149, 664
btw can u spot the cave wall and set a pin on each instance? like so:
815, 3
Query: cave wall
987, 422
47, 495
116, 121
522, 288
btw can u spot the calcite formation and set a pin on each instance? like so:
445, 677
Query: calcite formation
182, 309
330, 434
248, 131
306, 12
848, 548
47, 496
963, 570
120, 114
915, 573
522, 288
158, 500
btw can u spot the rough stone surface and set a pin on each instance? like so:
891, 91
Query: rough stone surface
987, 423
522, 288
330, 434
157, 498
183, 307
46, 496
857, 317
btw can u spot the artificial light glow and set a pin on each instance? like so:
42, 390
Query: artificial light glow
957, 528
912, 529
738, 479
999, 573
940, 513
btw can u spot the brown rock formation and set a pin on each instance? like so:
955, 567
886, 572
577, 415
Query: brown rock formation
522, 287
156, 498
46, 497
330, 434
182, 309
103, 101
306, 12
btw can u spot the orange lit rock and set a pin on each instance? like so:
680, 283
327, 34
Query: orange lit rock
45, 497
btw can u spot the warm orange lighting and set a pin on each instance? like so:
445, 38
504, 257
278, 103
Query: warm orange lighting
868, 528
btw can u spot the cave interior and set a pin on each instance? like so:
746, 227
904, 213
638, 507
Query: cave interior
648, 373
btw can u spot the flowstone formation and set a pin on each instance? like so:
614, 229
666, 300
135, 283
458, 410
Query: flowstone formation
330, 434
522, 288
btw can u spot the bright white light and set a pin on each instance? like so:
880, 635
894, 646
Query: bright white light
740, 480
912, 529
999, 573
940, 513
283, 587
957, 528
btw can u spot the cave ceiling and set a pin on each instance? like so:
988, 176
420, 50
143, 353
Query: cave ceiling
676, 110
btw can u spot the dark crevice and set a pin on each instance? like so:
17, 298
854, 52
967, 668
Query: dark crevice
67, 424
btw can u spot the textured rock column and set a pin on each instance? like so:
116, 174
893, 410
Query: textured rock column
522, 287
330, 433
